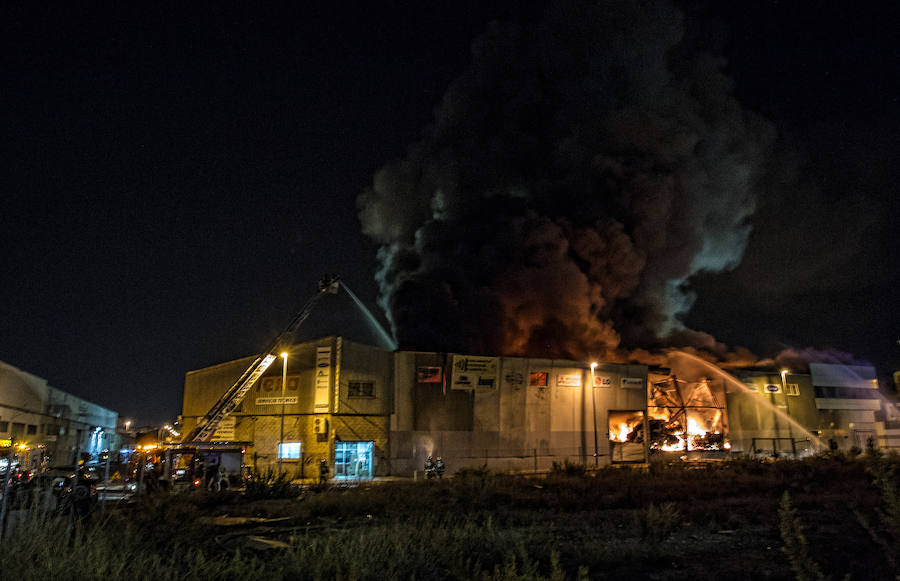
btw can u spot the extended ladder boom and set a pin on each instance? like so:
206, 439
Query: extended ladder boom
207, 425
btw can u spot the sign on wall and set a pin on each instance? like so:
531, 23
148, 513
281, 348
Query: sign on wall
476, 373
289, 399
428, 374
322, 378
538, 379
773, 388
568, 380
632, 383
225, 431
602, 381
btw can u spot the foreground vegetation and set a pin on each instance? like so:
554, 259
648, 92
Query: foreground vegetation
818, 518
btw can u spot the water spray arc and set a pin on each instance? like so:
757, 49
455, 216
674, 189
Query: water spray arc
735, 383
389, 341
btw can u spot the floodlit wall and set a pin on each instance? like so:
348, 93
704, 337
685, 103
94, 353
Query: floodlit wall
341, 390
769, 412
534, 412
522, 414
847, 400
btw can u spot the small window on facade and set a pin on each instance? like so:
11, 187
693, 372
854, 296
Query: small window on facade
361, 389
18, 429
4, 426
289, 450
32, 429
793, 389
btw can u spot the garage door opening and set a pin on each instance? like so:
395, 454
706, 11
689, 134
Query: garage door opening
626, 436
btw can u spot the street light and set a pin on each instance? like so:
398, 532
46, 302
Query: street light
787, 405
280, 451
594, 413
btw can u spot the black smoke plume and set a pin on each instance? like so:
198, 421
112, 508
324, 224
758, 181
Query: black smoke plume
572, 182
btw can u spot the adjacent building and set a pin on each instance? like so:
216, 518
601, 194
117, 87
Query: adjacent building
47, 425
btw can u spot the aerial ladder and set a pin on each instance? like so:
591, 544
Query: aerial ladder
206, 427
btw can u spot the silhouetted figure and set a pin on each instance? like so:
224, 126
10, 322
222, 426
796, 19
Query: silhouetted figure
429, 468
323, 472
439, 467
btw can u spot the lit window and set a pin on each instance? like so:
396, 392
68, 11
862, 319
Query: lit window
289, 450
793, 389
361, 389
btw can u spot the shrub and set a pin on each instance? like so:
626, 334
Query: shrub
568, 468
268, 484
795, 546
658, 522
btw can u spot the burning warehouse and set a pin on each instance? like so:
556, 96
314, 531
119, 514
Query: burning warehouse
368, 411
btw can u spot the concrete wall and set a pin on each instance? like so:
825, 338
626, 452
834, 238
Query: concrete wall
761, 414
516, 425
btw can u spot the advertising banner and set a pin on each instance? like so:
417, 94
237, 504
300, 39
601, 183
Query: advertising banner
602, 380
474, 373
322, 378
289, 399
632, 383
225, 431
568, 380
428, 374
538, 379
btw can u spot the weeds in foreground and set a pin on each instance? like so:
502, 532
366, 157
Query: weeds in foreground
658, 522
567, 468
795, 545
268, 484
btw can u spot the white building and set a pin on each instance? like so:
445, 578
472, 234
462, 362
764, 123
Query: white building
45, 422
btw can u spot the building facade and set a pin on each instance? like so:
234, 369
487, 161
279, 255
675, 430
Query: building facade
371, 412
47, 425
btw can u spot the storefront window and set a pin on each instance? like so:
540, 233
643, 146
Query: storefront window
353, 459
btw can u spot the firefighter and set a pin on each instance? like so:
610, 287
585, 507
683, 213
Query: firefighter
439, 467
429, 468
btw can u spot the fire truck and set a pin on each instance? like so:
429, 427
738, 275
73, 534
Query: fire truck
197, 460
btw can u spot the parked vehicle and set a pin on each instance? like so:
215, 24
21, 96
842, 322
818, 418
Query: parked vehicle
75, 493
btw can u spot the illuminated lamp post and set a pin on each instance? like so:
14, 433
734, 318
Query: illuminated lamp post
787, 406
594, 413
280, 451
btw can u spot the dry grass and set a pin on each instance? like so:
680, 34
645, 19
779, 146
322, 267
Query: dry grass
665, 522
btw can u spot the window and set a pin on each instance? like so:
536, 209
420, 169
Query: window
793, 389
289, 451
18, 429
32, 429
361, 389
4, 426
353, 459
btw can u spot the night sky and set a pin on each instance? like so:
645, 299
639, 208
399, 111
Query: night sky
177, 178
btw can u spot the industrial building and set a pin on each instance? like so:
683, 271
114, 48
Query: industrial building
372, 412
48, 426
